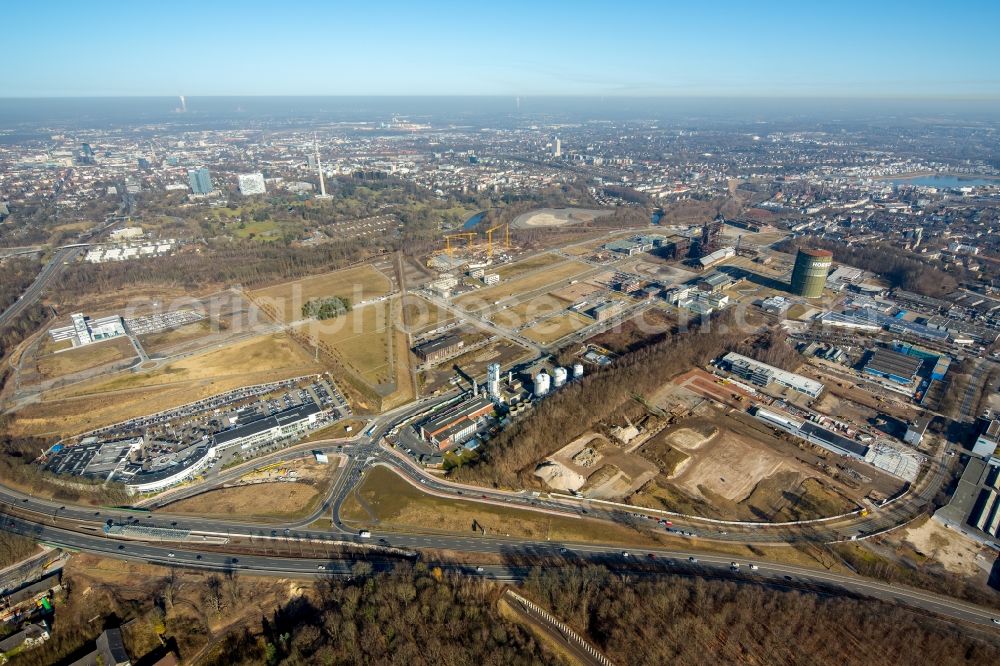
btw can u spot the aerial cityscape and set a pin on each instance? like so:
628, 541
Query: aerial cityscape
341, 335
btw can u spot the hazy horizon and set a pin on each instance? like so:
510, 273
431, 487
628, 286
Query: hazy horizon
479, 109
301, 47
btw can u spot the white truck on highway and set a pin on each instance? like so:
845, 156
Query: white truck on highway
365, 534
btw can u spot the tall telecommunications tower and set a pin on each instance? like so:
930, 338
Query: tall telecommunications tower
319, 168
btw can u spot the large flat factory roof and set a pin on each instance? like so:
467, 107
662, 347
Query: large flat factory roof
832, 440
440, 343
290, 415
455, 413
894, 364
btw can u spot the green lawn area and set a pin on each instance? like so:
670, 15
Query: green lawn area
458, 458
265, 230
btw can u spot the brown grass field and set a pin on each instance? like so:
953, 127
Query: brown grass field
155, 342
83, 358
103, 401
555, 273
419, 314
286, 300
529, 310
534, 263
269, 500
405, 388
359, 339
337, 430
397, 504
556, 327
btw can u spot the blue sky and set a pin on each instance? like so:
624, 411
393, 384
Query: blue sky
503, 47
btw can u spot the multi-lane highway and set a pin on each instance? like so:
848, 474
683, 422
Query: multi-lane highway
32, 293
640, 563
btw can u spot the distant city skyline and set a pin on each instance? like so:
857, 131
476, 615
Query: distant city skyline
890, 49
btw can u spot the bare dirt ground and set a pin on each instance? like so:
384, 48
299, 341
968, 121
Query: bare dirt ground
722, 463
576, 292
953, 551
610, 472
666, 274
726, 464
556, 217
688, 439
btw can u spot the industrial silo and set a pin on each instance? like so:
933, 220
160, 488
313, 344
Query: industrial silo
810, 271
577, 370
559, 377
542, 381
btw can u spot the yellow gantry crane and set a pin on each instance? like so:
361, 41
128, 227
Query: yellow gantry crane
449, 250
489, 238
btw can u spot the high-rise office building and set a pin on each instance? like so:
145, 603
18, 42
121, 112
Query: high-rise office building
557, 152
252, 183
200, 181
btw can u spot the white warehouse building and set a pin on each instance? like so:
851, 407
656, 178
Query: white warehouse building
763, 374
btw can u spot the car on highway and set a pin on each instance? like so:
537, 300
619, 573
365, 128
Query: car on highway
625, 553
480, 570
321, 568
996, 620
753, 567
121, 547
170, 554
693, 560
734, 566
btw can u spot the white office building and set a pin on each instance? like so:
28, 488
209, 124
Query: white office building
83, 330
252, 183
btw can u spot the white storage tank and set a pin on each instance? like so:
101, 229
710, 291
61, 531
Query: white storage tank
577, 370
542, 381
559, 377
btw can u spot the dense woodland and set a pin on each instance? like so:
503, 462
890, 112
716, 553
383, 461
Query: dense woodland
18, 274
510, 458
681, 621
901, 268
413, 616
246, 263
14, 548
417, 615
17, 330
772, 348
